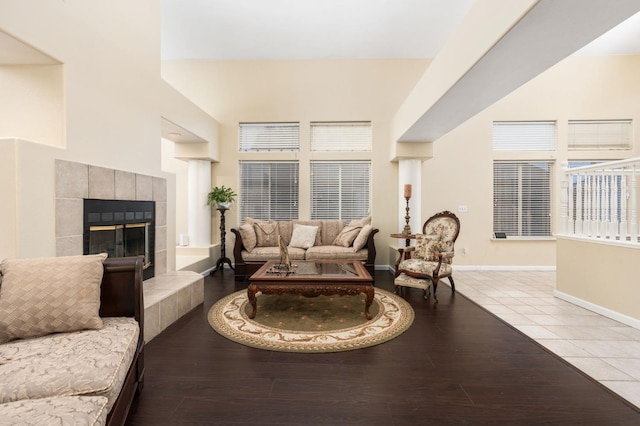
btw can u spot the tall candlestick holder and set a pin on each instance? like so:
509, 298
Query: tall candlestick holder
407, 229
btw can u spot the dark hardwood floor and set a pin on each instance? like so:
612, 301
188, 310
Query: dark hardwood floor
457, 364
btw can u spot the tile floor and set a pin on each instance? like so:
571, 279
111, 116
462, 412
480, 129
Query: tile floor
604, 349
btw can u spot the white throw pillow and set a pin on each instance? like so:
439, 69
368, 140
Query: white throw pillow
303, 236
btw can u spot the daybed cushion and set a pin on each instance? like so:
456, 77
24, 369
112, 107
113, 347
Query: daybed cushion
49, 295
88, 362
67, 410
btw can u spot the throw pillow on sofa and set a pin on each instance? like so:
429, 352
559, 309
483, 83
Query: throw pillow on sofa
361, 239
346, 237
50, 295
266, 232
248, 234
361, 222
303, 236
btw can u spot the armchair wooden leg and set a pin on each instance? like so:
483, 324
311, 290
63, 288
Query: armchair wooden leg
435, 280
453, 285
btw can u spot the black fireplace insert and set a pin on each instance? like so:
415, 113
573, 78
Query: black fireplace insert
121, 229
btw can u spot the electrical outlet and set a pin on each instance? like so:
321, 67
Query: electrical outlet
464, 251
463, 208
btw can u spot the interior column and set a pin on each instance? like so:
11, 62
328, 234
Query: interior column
198, 212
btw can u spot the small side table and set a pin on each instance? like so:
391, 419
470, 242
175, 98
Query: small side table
223, 248
407, 238
407, 241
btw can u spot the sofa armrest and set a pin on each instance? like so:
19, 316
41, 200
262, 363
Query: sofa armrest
237, 246
121, 289
371, 249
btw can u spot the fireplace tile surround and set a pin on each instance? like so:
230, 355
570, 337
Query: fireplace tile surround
76, 181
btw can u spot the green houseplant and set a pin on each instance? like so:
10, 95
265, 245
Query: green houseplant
221, 197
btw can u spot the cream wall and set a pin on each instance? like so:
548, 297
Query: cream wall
108, 108
460, 172
578, 88
32, 94
615, 288
303, 91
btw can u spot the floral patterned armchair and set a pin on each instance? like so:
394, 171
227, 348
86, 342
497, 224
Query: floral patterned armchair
431, 258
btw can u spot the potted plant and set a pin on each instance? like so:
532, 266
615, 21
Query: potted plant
221, 196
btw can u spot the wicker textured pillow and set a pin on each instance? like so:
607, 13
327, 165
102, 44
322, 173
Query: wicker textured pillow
303, 236
50, 295
347, 235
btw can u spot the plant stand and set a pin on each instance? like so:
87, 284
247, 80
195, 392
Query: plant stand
223, 249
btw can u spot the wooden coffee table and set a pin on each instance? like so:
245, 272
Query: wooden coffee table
311, 279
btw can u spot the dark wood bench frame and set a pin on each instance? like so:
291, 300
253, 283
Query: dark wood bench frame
121, 296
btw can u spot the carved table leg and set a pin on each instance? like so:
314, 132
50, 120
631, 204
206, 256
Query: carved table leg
368, 291
251, 295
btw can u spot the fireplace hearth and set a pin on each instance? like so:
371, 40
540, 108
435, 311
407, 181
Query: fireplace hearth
121, 229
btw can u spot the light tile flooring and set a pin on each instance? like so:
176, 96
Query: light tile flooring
605, 349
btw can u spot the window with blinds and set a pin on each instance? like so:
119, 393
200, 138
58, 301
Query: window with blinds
269, 190
600, 134
269, 137
522, 198
340, 189
341, 136
524, 135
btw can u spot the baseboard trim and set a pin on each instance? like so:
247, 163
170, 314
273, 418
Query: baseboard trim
606, 312
482, 268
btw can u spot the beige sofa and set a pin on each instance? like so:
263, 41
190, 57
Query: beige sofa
76, 355
257, 242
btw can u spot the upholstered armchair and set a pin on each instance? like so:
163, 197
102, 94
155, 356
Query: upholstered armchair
431, 258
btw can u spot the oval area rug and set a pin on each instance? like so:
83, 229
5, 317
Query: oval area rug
289, 323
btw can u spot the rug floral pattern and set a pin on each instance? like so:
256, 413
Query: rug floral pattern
311, 325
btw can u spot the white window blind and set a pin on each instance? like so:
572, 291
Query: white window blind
524, 135
522, 198
269, 190
269, 136
341, 136
600, 134
340, 189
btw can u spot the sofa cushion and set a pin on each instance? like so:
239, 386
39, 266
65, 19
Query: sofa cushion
262, 254
335, 253
62, 410
88, 362
285, 228
317, 223
303, 236
346, 237
361, 239
49, 295
248, 235
330, 230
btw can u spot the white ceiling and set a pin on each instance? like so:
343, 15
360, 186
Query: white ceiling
330, 29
